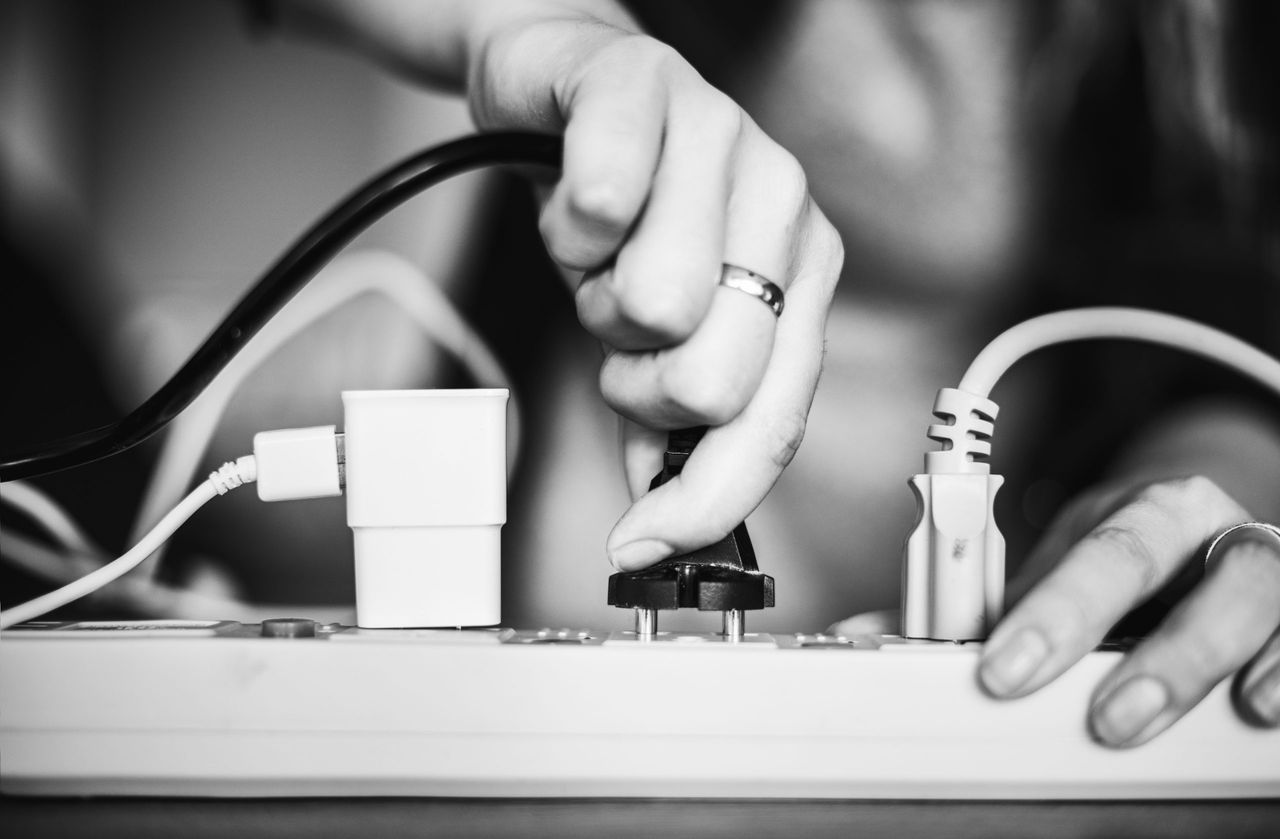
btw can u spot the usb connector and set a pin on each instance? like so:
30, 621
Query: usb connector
298, 463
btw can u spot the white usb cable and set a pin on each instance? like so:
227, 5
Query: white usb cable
228, 477
288, 464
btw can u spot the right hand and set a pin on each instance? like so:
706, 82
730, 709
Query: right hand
665, 179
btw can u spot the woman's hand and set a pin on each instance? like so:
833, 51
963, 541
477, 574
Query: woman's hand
664, 181
1109, 551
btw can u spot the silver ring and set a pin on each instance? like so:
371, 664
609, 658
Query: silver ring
1246, 531
749, 282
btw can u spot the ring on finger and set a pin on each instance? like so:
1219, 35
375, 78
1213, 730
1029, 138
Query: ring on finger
1246, 531
756, 285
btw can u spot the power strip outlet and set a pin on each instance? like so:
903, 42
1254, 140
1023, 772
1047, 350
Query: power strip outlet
217, 709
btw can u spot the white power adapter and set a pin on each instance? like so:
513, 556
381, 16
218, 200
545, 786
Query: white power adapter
426, 500
425, 478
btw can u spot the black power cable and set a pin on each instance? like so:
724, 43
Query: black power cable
313, 250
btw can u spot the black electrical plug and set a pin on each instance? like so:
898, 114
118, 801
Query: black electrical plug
721, 577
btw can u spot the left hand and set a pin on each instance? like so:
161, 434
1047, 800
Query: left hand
1111, 550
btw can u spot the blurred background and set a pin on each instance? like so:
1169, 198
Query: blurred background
156, 156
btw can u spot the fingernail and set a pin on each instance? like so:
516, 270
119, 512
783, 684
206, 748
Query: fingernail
1263, 695
1011, 664
1128, 710
639, 554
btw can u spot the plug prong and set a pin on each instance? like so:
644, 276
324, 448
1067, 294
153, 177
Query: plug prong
646, 622
735, 624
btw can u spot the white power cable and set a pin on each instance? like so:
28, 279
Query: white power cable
227, 477
1120, 324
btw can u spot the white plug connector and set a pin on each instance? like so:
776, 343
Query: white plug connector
953, 568
298, 463
953, 572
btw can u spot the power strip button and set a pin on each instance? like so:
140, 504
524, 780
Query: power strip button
288, 628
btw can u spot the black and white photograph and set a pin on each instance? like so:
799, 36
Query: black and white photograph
633, 418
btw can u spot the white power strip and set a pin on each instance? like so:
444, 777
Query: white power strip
214, 709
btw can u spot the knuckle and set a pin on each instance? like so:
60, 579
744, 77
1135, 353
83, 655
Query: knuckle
637, 53
834, 244
494, 99
485, 103
647, 62
566, 246
791, 183
1201, 487
609, 53
830, 240
831, 247
553, 233
1132, 550
483, 82
703, 397
667, 312
1191, 502
1178, 493
595, 312
605, 203
621, 400
617, 391
823, 252
720, 117
651, 55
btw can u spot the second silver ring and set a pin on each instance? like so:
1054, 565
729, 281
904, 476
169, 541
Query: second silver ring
1245, 531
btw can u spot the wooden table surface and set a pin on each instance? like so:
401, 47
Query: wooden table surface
370, 818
